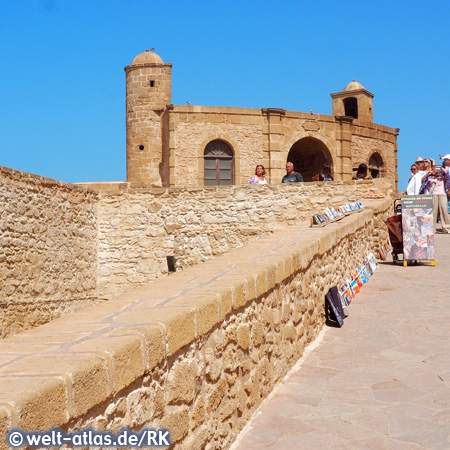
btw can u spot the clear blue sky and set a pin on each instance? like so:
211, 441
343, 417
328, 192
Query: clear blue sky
63, 84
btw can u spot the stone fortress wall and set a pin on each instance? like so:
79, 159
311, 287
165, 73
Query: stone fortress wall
48, 251
139, 228
65, 247
195, 352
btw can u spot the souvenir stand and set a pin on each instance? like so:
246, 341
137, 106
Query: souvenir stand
418, 229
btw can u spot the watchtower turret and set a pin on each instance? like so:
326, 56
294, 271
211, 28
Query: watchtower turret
354, 101
148, 92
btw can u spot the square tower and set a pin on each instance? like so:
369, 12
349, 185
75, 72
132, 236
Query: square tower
354, 101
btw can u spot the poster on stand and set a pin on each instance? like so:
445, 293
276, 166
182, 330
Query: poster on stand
418, 227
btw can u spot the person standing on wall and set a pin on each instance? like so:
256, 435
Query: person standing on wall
446, 166
291, 176
362, 173
416, 181
414, 170
435, 183
325, 175
259, 177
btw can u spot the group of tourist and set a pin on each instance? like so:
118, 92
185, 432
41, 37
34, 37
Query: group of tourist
295, 177
429, 178
291, 175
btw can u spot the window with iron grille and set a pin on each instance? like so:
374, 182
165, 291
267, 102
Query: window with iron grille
219, 166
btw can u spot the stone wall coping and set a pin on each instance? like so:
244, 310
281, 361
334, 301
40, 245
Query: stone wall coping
262, 112
26, 177
59, 371
112, 188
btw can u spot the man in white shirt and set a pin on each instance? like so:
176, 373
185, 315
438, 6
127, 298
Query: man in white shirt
416, 181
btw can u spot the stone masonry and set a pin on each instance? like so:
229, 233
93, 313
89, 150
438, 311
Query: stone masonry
195, 352
48, 251
65, 247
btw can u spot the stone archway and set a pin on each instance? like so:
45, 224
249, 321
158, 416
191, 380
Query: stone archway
308, 156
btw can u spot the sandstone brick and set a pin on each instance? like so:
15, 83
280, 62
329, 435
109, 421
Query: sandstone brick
181, 383
6, 424
176, 421
257, 334
196, 440
153, 341
179, 323
207, 309
244, 338
40, 402
88, 375
125, 353
214, 396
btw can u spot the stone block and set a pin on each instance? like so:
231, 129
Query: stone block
243, 337
181, 383
176, 420
125, 355
154, 342
178, 322
6, 424
86, 374
197, 413
196, 440
40, 403
214, 396
207, 310
261, 282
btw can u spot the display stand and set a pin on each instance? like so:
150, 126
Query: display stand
418, 229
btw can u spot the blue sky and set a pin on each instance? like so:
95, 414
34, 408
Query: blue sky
63, 84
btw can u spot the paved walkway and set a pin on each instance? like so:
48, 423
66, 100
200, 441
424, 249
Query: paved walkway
380, 382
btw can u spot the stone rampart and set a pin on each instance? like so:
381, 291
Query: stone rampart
139, 228
48, 251
195, 352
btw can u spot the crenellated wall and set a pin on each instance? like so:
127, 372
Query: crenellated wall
195, 352
48, 251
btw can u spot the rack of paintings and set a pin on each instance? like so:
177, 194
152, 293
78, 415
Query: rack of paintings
361, 275
333, 214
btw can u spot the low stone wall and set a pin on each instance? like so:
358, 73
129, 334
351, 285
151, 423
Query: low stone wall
139, 228
195, 352
48, 251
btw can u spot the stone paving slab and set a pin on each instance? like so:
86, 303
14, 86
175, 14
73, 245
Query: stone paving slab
382, 381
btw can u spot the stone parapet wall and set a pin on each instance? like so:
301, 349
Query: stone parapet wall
139, 228
195, 352
48, 251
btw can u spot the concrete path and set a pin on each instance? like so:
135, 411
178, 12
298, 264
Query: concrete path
380, 382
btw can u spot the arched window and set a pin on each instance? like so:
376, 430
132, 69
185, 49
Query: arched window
376, 165
219, 167
351, 107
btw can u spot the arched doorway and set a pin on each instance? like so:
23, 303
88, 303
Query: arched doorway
308, 156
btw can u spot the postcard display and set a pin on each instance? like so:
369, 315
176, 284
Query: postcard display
330, 214
418, 228
339, 297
